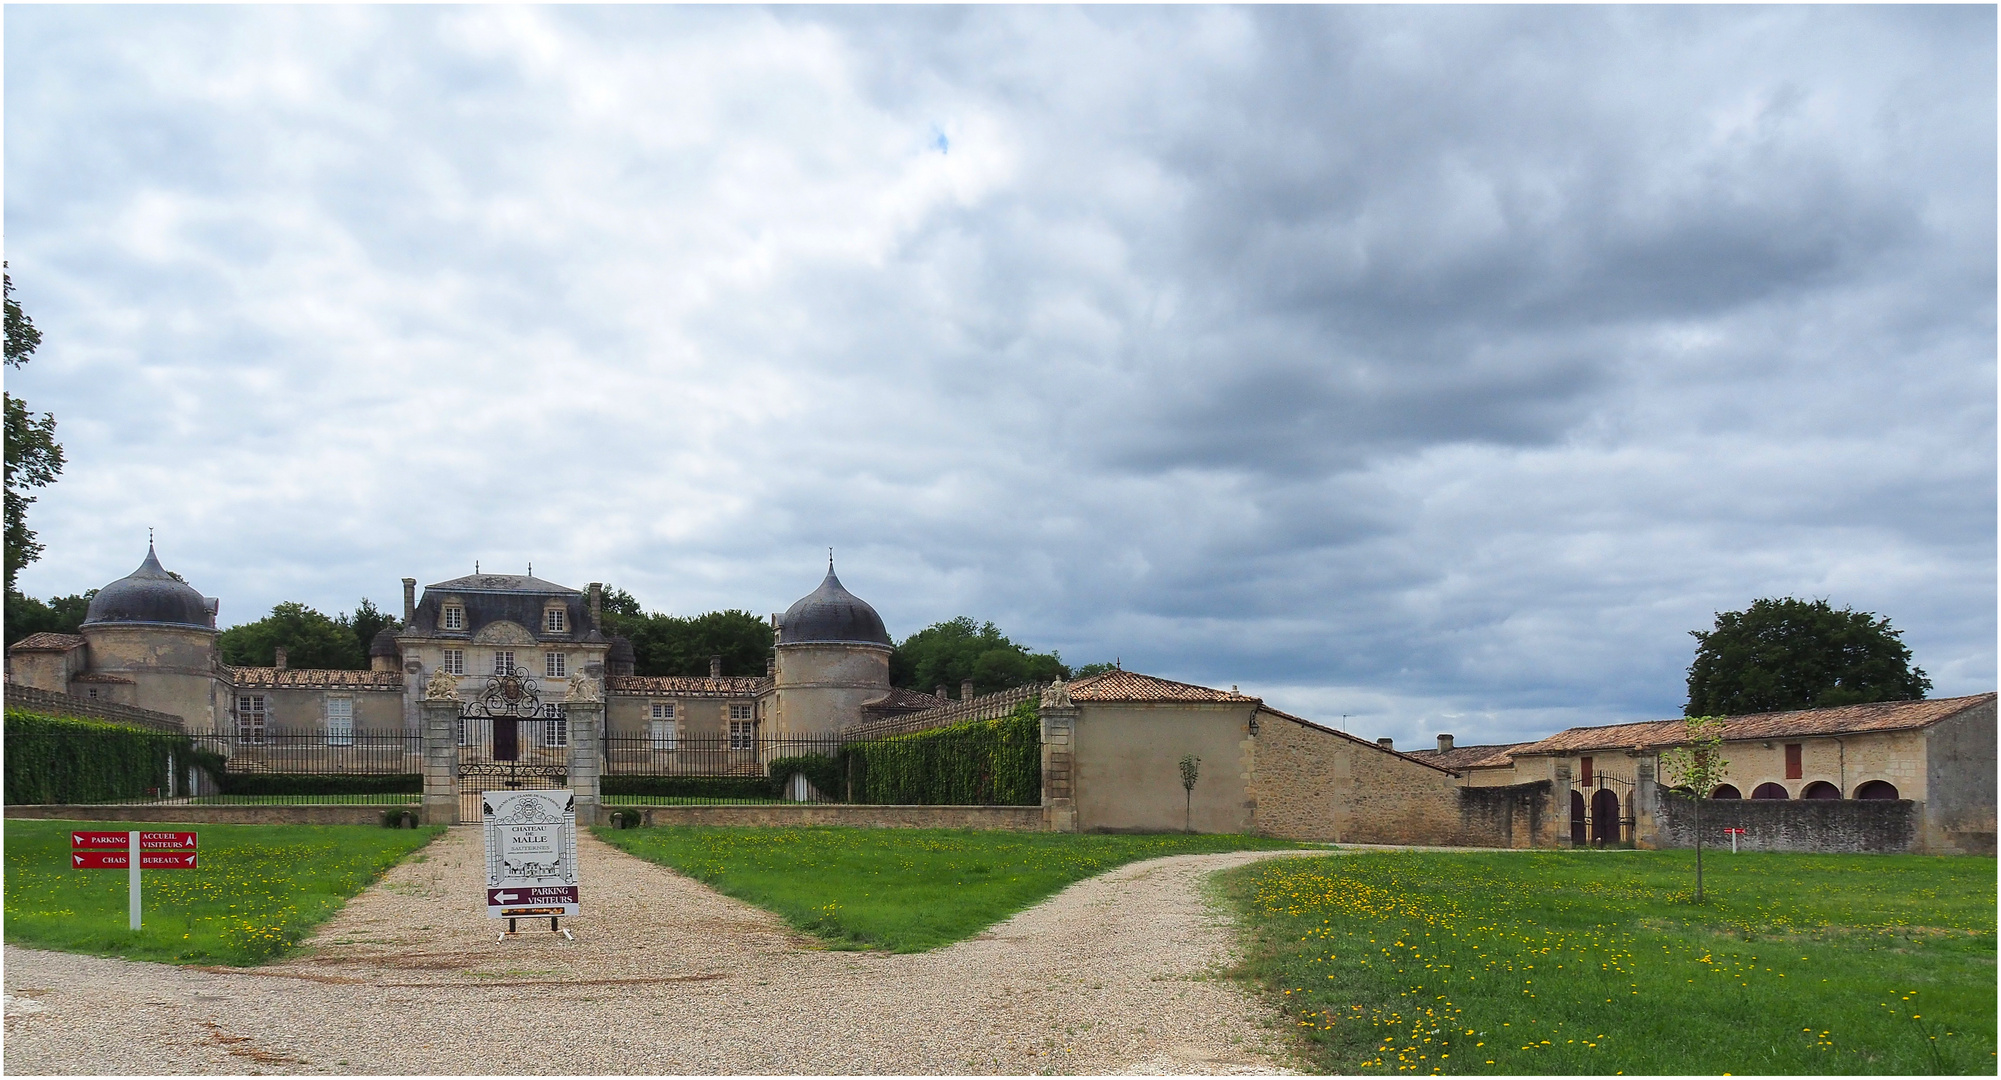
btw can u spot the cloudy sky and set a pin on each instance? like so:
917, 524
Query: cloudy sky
1435, 368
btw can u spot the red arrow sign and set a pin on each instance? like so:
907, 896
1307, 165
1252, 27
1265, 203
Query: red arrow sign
119, 860
81, 840
166, 841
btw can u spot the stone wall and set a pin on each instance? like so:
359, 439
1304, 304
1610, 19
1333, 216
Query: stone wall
214, 815
1126, 774
1833, 826
1960, 774
1514, 816
33, 699
1005, 818
1311, 783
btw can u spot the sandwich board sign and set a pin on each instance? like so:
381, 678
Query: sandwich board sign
531, 854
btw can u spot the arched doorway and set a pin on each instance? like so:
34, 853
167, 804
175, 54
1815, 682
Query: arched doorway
1579, 830
1605, 817
1877, 789
1770, 791
1726, 791
1821, 789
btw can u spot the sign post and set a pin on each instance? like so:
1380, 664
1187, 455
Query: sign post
129, 851
531, 856
1734, 834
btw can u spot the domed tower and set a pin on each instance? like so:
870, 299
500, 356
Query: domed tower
154, 638
383, 652
832, 656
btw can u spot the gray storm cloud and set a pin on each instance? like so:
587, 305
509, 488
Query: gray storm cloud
1438, 367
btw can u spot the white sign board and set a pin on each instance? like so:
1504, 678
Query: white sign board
531, 853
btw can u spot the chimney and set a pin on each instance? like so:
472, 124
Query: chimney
944, 692
214, 609
1386, 743
597, 604
715, 667
280, 662
409, 600
966, 690
771, 667
1444, 743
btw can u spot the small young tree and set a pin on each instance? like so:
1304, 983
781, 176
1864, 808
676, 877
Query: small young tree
1190, 769
1698, 764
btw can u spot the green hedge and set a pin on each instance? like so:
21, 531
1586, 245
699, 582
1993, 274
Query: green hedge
62, 759
825, 773
310, 784
982, 763
688, 787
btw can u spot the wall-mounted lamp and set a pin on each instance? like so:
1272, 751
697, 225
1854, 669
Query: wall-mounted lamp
1254, 723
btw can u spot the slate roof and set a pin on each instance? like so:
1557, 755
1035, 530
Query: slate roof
1848, 719
502, 583
149, 595
736, 686
1495, 755
46, 642
831, 614
1117, 685
313, 679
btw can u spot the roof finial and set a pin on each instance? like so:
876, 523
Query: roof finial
830, 559
149, 538
475, 566
531, 568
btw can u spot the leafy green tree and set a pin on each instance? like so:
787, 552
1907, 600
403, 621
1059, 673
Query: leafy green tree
682, 645
1794, 654
33, 457
1089, 670
62, 615
311, 640
1697, 764
366, 622
948, 653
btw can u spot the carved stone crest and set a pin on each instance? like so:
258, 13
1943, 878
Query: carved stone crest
443, 686
1056, 695
585, 688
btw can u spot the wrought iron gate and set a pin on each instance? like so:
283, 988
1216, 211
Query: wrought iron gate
509, 740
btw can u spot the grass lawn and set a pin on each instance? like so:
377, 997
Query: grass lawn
906, 890
1599, 962
256, 891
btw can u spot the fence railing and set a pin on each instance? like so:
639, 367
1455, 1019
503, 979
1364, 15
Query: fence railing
35, 699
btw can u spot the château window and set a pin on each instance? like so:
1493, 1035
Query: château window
556, 729
1795, 769
663, 710
555, 620
503, 662
454, 662
743, 735
1584, 772
740, 711
553, 665
250, 714
454, 617
340, 721
666, 735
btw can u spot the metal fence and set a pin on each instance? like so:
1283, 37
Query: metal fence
271, 767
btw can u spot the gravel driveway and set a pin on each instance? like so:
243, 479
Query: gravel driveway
1113, 975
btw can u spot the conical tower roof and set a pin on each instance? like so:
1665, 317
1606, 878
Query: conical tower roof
831, 614
148, 595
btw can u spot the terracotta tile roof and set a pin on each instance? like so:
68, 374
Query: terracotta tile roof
314, 678
1496, 755
46, 642
1266, 710
901, 700
1879, 716
1132, 686
689, 685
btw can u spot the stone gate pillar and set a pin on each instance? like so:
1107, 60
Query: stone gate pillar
438, 715
585, 709
1059, 727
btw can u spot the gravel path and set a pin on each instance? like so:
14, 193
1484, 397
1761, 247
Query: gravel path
1113, 975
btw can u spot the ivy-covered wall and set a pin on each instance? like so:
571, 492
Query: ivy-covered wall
60, 759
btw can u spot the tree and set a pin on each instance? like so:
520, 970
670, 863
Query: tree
62, 615
368, 621
948, 653
311, 640
1793, 654
33, 457
1191, 770
1089, 670
682, 645
1698, 764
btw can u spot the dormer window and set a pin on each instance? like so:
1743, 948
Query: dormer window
453, 617
556, 620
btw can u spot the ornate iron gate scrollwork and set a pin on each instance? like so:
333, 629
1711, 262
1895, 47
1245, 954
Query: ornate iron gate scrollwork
492, 752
